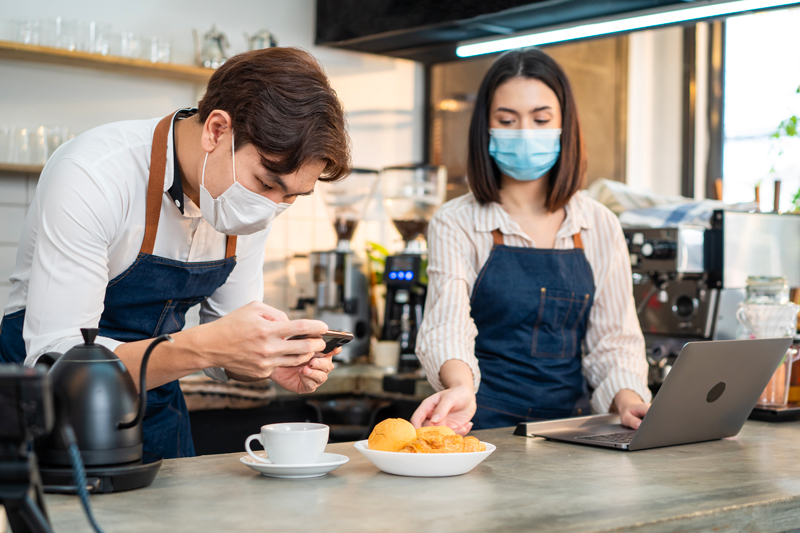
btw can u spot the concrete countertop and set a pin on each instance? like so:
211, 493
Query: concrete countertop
751, 482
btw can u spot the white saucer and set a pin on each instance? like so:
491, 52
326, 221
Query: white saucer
326, 463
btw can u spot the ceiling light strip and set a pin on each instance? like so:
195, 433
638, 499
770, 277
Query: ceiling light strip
622, 25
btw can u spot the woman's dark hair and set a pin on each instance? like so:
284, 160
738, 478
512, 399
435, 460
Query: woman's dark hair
281, 102
566, 177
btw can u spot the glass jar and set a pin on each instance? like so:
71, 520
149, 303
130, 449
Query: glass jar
767, 313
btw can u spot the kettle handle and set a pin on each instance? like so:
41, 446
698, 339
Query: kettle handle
143, 383
48, 359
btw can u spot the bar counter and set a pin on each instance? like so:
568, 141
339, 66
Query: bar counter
750, 482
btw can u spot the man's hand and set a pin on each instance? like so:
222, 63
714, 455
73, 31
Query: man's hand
306, 378
251, 343
630, 407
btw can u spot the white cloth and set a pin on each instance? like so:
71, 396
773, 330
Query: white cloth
459, 243
86, 225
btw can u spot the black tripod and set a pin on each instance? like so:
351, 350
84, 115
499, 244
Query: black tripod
21, 490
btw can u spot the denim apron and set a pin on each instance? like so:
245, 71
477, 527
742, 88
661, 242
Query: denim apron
531, 307
149, 299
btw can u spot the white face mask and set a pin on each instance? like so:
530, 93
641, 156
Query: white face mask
237, 211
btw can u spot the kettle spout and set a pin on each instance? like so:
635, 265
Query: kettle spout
143, 383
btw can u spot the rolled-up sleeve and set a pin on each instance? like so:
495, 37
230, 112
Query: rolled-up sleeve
615, 358
448, 331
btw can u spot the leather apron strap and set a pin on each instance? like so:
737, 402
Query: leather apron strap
498, 240
155, 189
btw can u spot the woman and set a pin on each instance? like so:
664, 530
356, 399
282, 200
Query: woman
524, 270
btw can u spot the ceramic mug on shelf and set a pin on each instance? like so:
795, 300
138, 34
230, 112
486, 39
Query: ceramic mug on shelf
295, 443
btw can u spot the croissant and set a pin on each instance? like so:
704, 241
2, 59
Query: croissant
442, 439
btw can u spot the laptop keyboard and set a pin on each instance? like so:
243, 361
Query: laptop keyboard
617, 438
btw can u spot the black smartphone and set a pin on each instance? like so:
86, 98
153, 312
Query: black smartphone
333, 339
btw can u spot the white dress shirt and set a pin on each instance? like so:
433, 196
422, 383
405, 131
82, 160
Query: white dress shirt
459, 243
86, 226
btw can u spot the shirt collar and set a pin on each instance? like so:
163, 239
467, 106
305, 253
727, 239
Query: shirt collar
492, 216
173, 186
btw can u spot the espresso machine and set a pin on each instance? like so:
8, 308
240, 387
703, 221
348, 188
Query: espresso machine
411, 195
689, 280
341, 291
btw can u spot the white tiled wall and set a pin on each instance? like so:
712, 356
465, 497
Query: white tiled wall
16, 194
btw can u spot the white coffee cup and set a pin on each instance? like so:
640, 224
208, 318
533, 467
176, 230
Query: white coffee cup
295, 443
386, 354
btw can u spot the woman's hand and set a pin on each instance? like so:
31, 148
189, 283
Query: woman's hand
306, 378
251, 344
451, 407
630, 407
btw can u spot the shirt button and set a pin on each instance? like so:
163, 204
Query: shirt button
178, 203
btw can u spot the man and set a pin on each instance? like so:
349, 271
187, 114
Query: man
135, 222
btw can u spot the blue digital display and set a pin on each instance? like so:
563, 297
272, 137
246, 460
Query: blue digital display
407, 275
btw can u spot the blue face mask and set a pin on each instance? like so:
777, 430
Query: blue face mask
525, 155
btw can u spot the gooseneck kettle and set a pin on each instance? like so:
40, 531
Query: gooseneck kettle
96, 395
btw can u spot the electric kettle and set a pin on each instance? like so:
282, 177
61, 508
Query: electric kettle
260, 40
211, 52
95, 394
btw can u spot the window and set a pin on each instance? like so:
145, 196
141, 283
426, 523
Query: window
762, 75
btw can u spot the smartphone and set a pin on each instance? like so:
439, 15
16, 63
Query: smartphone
333, 339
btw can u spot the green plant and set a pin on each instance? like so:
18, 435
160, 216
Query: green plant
377, 255
786, 129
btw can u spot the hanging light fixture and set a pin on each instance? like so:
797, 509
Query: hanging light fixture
637, 22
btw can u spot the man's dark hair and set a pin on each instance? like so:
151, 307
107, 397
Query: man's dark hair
281, 102
566, 177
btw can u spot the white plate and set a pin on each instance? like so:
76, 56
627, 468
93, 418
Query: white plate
326, 463
424, 464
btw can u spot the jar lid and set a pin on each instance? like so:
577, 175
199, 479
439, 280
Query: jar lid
767, 280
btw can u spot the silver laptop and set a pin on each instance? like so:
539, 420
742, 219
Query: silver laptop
707, 395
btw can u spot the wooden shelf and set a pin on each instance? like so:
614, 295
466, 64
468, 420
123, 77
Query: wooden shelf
25, 169
118, 65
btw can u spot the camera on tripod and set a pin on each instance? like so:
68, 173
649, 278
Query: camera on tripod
26, 404
26, 413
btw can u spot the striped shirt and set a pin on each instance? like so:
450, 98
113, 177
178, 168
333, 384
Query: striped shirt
459, 243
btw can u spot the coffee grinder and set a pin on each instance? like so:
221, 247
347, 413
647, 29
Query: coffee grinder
341, 292
411, 195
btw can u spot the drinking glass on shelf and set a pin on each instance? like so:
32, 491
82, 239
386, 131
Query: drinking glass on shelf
59, 33
20, 145
97, 37
5, 144
56, 136
158, 49
102, 41
69, 37
130, 45
38, 146
29, 32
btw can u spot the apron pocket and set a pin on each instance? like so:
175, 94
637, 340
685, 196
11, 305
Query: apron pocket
556, 330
